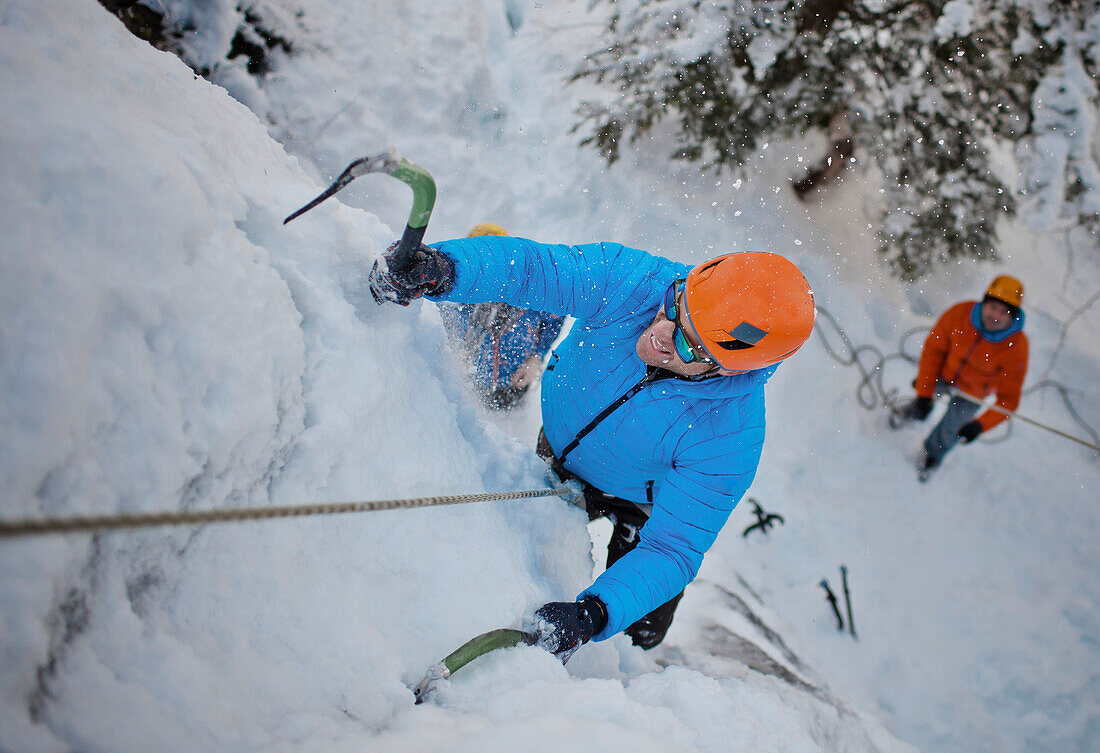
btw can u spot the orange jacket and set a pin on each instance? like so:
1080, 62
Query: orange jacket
955, 352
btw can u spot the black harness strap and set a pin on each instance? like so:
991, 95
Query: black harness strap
653, 374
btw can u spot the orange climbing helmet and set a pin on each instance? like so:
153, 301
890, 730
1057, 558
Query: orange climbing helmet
750, 309
486, 228
1007, 290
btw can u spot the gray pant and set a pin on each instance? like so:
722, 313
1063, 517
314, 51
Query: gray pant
946, 434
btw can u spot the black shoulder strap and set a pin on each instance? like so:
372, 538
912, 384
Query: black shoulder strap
653, 374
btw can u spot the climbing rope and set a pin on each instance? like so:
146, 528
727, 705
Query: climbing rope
871, 392
86, 524
1095, 445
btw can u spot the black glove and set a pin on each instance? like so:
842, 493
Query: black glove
564, 626
970, 431
920, 408
431, 272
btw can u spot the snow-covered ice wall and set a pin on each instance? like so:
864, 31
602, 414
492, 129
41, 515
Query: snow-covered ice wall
167, 343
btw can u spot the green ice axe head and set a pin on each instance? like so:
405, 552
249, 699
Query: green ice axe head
467, 652
416, 177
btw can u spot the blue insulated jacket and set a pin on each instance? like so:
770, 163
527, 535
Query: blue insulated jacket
689, 447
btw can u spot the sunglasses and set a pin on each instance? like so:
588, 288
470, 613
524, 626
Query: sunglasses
687, 352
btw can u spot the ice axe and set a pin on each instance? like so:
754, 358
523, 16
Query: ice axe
466, 653
414, 176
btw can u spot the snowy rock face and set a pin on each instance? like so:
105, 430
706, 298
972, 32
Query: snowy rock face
142, 310
224, 41
166, 343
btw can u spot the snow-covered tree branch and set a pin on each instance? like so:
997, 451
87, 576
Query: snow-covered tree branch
928, 87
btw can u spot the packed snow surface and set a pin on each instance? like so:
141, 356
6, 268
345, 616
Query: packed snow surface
166, 343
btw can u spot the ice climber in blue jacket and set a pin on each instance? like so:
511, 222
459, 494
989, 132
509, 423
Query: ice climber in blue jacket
654, 401
502, 346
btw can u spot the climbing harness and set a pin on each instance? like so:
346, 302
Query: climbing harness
94, 523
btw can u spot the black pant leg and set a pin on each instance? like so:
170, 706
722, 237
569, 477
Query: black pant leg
629, 520
651, 629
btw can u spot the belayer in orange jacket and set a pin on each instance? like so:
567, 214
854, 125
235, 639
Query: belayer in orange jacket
975, 349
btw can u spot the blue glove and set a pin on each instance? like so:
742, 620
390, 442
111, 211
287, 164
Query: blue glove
970, 431
430, 272
563, 626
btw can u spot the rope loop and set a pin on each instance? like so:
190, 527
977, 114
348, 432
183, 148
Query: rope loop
870, 392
